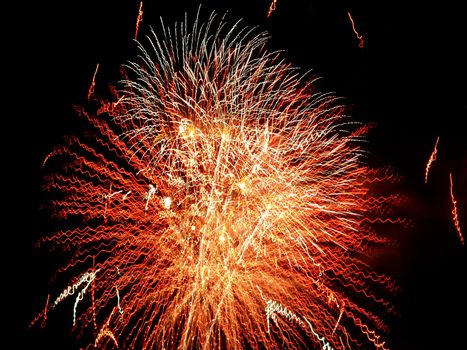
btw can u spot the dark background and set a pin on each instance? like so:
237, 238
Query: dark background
409, 79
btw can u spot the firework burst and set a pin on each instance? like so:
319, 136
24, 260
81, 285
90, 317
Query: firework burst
220, 202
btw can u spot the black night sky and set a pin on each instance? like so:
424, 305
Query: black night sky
410, 79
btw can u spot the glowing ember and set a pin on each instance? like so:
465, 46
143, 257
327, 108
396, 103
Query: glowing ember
220, 202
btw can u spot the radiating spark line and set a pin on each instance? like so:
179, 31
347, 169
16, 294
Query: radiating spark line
46, 159
93, 83
93, 296
42, 315
359, 37
338, 320
115, 104
139, 19
272, 7
454, 212
44, 320
431, 160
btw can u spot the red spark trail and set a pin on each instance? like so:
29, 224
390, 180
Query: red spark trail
359, 37
93, 83
431, 160
272, 7
44, 321
454, 212
139, 18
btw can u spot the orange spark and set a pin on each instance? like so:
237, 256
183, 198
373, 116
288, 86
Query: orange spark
338, 320
431, 160
139, 18
454, 213
272, 7
93, 83
359, 37
115, 104
46, 159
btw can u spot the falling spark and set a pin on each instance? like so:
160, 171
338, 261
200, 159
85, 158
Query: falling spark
118, 301
272, 7
93, 305
44, 321
42, 315
359, 37
139, 19
93, 83
454, 213
431, 160
338, 320
233, 193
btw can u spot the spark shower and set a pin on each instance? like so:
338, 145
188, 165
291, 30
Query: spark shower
218, 200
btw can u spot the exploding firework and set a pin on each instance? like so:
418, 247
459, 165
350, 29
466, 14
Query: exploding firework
220, 202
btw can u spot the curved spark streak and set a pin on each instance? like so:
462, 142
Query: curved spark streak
431, 160
359, 37
455, 217
138, 20
272, 7
44, 320
220, 174
93, 83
